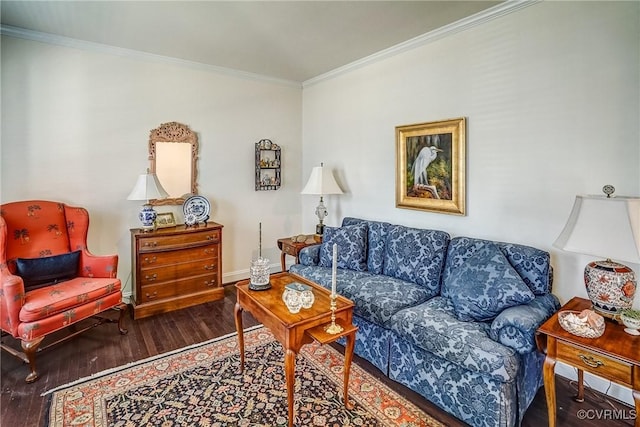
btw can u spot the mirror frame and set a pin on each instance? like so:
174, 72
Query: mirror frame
178, 133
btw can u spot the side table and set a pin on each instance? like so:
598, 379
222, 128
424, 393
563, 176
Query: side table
293, 330
614, 356
289, 247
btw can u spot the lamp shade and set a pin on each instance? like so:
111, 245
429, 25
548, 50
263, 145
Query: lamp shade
147, 187
608, 227
321, 182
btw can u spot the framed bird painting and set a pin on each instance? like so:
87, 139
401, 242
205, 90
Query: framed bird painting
430, 166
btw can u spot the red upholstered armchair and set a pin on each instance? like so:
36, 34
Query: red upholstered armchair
48, 278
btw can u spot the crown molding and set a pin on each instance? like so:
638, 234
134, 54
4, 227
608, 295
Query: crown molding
10, 31
505, 8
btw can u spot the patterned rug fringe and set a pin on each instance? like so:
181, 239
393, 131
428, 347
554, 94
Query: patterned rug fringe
141, 361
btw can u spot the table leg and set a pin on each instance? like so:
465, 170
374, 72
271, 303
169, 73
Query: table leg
548, 371
240, 331
283, 263
348, 356
289, 372
580, 396
636, 399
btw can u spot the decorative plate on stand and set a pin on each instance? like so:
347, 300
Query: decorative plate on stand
196, 210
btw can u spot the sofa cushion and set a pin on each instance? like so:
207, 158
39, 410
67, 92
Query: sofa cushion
416, 255
486, 284
43, 271
434, 327
376, 240
532, 264
352, 247
379, 297
376, 297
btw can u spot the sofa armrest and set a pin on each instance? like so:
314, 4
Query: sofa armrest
516, 326
102, 266
310, 255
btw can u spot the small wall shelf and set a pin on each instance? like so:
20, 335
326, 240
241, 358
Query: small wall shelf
268, 164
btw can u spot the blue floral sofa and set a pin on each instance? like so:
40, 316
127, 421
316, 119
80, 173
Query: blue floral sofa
452, 319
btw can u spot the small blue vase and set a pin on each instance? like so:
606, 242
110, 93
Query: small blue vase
147, 216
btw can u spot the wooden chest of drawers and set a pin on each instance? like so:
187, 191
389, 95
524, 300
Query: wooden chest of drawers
175, 268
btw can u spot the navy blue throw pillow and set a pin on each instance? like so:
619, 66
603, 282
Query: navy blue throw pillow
40, 272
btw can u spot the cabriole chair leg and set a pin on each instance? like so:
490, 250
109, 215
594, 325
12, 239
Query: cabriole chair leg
30, 348
124, 309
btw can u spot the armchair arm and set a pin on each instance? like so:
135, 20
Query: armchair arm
310, 255
11, 300
98, 265
516, 326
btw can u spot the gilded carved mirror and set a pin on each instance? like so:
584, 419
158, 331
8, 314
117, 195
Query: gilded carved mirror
173, 152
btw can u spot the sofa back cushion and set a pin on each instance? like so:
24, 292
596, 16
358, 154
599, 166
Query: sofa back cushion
35, 229
531, 264
485, 285
352, 247
415, 255
376, 240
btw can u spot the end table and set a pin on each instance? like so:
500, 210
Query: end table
289, 247
614, 356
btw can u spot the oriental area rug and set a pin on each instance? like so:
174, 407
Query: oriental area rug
201, 386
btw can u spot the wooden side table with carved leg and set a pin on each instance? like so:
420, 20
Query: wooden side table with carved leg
289, 247
614, 356
295, 330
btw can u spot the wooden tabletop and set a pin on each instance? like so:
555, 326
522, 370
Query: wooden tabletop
614, 341
271, 299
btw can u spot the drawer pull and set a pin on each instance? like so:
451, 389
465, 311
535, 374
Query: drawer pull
209, 251
210, 267
210, 237
151, 296
150, 244
150, 260
210, 283
591, 361
152, 277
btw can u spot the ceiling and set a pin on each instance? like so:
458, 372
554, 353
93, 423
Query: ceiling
289, 40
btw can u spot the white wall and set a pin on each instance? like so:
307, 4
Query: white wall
552, 99
75, 128
551, 96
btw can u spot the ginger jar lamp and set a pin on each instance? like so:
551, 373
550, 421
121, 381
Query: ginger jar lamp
147, 187
608, 227
321, 183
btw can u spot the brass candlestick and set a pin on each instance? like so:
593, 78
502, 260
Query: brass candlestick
333, 328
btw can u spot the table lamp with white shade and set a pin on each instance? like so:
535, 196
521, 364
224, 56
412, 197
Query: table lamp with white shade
147, 188
321, 183
607, 227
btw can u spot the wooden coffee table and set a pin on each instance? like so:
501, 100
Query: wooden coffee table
295, 330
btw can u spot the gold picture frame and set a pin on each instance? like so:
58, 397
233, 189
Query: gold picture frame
430, 166
165, 220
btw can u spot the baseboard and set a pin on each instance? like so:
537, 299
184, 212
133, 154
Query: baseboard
234, 276
609, 388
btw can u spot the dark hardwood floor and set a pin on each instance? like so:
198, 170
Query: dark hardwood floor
103, 348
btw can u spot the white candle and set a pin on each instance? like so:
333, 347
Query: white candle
334, 270
259, 240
